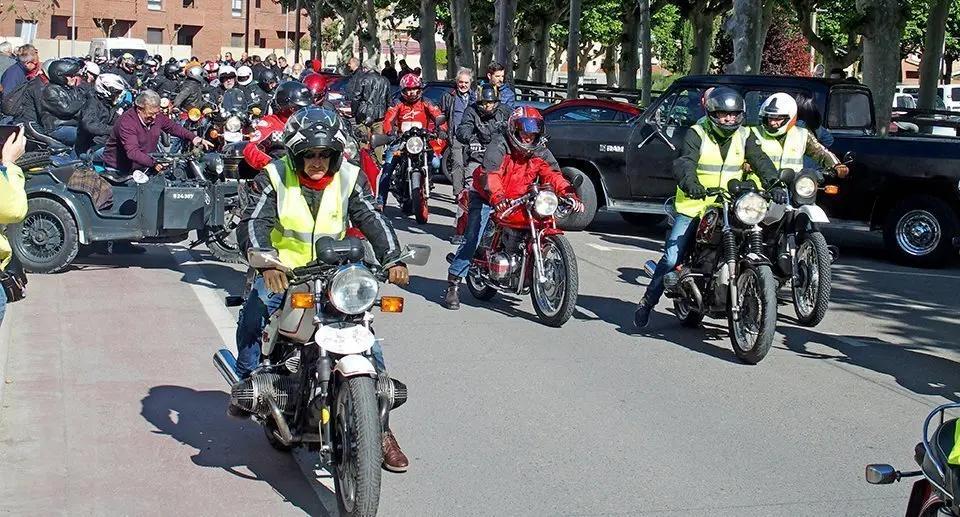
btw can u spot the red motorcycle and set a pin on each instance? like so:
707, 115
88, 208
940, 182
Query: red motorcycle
527, 253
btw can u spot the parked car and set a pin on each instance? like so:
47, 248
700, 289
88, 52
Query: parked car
590, 110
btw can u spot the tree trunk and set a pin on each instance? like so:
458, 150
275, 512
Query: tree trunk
701, 22
541, 49
746, 29
573, 50
883, 30
452, 65
832, 56
646, 53
345, 49
557, 57
524, 55
628, 46
505, 19
933, 53
948, 69
372, 42
486, 56
428, 47
461, 19
609, 64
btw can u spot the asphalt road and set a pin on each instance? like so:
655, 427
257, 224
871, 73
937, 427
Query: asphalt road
111, 405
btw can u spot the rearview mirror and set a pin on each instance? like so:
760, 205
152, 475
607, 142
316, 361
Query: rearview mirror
380, 139
440, 120
787, 175
848, 157
416, 254
880, 474
265, 259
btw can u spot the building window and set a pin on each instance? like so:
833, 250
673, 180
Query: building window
155, 5
236, 39
188, 3
154, 36
256, 38
258, 3
26, 29
59, 27
236, 8
186, 33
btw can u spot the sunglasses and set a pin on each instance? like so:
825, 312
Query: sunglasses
312, 155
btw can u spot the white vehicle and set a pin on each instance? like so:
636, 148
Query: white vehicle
114, 48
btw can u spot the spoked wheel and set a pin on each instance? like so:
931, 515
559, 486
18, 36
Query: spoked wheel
477, 286
688, 316
812, 278
358, 450
752, 332
556, 297
223, 243
46, 241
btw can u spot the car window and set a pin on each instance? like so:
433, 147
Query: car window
849, 109
688, 108
435, 93
585, 113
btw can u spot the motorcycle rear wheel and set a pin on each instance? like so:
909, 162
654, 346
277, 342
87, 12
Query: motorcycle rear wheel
358, 450
688, 317
752, 334
477, 286
555, 300
812, 296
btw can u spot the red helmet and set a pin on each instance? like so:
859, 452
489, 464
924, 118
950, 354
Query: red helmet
411, 88
317, 84
525, 121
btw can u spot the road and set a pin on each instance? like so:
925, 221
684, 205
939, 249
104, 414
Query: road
111, 405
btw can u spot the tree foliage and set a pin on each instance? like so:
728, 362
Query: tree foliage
916, 29
784, 50
667, 34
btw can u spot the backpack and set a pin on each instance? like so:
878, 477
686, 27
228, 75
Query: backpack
13, 102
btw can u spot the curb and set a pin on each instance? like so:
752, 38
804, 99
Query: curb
6, 339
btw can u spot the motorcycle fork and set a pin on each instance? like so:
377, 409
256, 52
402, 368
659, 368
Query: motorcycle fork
537, 259
730, 256
426, 175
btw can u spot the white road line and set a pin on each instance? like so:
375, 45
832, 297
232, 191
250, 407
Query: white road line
855, 268
615, 248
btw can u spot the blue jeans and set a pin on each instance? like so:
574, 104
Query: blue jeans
477, 217
3, 304
383, 186
675, 248
65, 134
254, 315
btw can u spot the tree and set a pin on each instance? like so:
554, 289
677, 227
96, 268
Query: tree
933, 52
540, 17
882, 28
666, 37
428, 48
748, 29
837, 36
701, 14
463, 29
784, 49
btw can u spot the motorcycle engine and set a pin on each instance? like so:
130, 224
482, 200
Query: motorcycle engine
503, 266
250, 394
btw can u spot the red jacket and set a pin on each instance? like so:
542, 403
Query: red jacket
253, 153
515, 176
422, 111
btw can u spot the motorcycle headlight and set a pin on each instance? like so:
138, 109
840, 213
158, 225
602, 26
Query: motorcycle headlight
750, 208
414, 145
353, 289
194, 114
233, 124
805, 187
546, 203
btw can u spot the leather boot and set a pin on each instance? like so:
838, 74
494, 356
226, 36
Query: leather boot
451, 297
394, 459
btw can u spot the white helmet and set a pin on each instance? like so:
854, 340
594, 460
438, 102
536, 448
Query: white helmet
109, 86
226, 71
244, 75
778, 105
92, 68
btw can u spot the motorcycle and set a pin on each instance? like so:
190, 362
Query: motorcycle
317, 386
936, 494
528, 253
411, 182
726, 275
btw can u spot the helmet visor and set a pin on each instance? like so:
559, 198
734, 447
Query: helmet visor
529, 125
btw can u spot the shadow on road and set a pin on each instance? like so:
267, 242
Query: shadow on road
199, 419
432, 289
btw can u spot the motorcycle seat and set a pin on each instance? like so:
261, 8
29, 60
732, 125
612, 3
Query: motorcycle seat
114, 177
942, 443
53, 145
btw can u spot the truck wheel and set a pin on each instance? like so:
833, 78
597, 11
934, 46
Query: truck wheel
643, 220
920, 231
588, 194
46, 241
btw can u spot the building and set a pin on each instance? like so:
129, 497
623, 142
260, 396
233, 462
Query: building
206, 25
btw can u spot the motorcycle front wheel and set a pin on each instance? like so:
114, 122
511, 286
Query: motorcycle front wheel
420, 209
752, 332
812, 278
556, 298
357, 446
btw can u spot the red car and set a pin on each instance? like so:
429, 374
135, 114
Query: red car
590, 110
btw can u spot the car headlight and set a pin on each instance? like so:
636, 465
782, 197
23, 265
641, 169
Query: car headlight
414, 145
546, 203
750, 208
353, 289
805, 187
233, 124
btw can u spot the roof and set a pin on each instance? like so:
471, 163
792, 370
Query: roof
598, 103
773, 80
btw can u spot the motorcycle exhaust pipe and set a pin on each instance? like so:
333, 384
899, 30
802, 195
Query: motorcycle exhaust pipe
226, 364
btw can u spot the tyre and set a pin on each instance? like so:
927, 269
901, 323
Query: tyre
358, 453
811, 285
46, 241
752, 333
920, 231
445, 165
34, 160
555, 299
421, 210
688, 317
642, 220
224, 246
477, 286
588, 194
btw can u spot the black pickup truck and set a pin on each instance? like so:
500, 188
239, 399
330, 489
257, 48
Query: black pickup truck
904, 184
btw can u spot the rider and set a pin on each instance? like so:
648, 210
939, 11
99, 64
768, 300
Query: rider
245, 78
411, 110
99, 115
191, 90
62, 100
228, 81
317, 85
266, 84
167, 84
265, 142
321, 192
714, 152
126, 69
510, 165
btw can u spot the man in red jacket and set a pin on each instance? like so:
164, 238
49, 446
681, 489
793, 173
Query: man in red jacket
510, 165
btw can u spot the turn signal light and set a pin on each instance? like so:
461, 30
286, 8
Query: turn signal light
207, 111
214, 134
302, 301
255, 111
391, 304
194, 114
831, 189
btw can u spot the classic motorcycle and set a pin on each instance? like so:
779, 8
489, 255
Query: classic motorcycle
936, 494
528, 253
726, 275
411, 182
317, 386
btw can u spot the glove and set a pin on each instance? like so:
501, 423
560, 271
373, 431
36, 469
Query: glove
842, 170
575, 204
778, 195
399, 275
693, 189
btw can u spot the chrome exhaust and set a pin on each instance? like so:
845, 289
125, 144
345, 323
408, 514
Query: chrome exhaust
226, 364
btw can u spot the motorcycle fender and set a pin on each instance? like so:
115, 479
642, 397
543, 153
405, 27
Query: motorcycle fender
354, 366
922, 496
67, 200
551, 231
814, 213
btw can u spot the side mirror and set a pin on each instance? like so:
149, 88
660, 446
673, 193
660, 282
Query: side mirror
416, 254
787, 175
380, 139
440, 120
577, 181
880, 474
265, 259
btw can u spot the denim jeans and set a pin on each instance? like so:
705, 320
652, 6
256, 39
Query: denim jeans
383, 187
3, 305
477, 217
254, 315
65, 134
675, 248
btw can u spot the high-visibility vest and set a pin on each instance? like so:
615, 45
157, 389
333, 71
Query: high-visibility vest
954, 457
299, 230
712, 169
786, 156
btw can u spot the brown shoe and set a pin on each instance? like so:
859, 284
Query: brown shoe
451, 296
394, 459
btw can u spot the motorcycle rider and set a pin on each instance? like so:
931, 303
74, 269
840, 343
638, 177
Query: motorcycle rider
245, 78
262, 93
167, 84
228, 81
265, 144
62, 99
211, 68
126, 69
317, 85
90, 72
312, 171
369, 100
191, 90
714, 152
407, 112
99, 114
510, 165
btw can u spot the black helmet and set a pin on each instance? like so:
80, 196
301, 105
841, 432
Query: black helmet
723, 100
289, 97
313, 128
266, 77
171, 70
487, 100
61, 69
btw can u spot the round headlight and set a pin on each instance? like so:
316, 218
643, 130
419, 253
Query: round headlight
414, 145
750, 208
233, 124
353, 289
194, 114
805, 186
545, 204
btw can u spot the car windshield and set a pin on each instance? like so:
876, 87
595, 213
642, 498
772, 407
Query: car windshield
117, 53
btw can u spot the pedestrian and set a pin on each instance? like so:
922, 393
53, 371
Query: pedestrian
13, 208
404, 70
18, 74
370, 100
7, 58
390, 73
453, 104
496, 76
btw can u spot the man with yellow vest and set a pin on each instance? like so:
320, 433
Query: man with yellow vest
13, 200
310, 193
713, 153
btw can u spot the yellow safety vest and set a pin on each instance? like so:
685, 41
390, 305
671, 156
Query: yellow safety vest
712, 169
299, 230
954, 457
788, 156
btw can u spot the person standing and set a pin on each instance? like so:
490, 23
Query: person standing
496, 76
13, 200
7, 58
370, 100
454, 104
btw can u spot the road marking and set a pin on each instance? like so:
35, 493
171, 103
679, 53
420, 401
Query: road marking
894, 272
615, 248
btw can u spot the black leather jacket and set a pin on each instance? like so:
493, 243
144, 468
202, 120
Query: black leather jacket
164, 86
475, 129
96, 123
60, 106
190, 95
370, 98
32, 109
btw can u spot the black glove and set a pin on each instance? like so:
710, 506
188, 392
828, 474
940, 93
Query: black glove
778, 195
693, 189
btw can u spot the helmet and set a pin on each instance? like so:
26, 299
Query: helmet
211, 67
726, 100
171, 70
312, 128
92, 68
151, 63
289, 97
127, 61
46, 66
317, 86
411, 88
109, 86
488, 98
525, 119
61, 69
195, 73
227, 72
267, 77
780, 105
244, 75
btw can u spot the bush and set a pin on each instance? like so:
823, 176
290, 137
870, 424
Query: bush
441, 59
